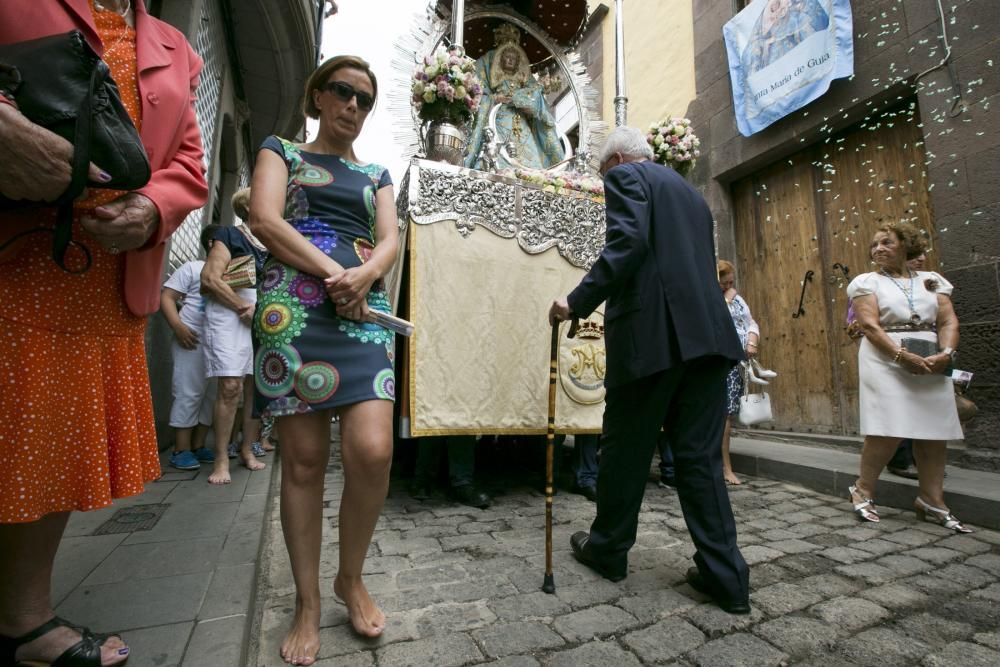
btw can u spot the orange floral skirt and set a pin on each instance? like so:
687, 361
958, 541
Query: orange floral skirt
76, 417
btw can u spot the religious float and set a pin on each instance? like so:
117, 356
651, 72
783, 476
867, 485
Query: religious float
499, 214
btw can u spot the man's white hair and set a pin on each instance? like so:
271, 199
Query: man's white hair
627, 141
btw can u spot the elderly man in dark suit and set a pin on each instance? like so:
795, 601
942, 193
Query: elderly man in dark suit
670, 343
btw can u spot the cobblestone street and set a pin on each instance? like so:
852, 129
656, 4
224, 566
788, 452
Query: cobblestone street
462, 586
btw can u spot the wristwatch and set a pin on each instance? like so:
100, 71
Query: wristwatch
951, 352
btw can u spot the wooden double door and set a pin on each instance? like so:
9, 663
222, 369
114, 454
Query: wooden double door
803, 227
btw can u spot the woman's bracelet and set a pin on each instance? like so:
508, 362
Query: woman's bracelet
899, 354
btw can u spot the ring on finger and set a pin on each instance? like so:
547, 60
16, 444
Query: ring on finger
342, 301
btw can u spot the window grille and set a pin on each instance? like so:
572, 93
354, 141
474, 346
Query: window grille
210, 44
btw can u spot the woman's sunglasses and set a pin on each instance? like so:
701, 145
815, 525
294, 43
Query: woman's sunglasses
345, 91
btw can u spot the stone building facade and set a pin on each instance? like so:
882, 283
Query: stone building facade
904, 73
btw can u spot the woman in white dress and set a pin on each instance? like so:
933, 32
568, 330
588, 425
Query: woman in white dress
903, 393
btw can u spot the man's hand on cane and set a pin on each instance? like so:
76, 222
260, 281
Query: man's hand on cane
559, 311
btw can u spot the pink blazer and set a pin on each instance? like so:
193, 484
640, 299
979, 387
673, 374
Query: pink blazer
168, 75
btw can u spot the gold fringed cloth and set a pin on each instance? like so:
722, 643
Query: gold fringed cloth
479, 285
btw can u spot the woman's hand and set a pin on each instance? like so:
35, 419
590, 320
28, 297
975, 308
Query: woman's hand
125, 223
354, 311
350, 286
35, 164
185, 337
914, 363
939, 362
246, 313
729, 294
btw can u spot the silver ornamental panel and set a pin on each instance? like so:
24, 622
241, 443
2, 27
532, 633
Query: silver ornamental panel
572, 223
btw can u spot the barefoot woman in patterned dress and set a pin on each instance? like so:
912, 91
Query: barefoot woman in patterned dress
329, 221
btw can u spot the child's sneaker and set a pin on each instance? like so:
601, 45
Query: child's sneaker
258, 450
204, 455
184, 461
233, 450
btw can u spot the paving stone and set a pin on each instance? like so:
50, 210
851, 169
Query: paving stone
933, 585
502, 639
831, 539
870, 572
230, 592
845, 555
935, 554
988, 562
849, 614
766, 524
878, 547
826, 511
756, 553
883, 647
895, 596
159, 645
991, 592
829, 585
933, 629
963, 574
591, 593
793, 546
660, 642
715, 622
216, 642
861, 532
528, 606
738, 650
805, 564
965, 654
983, 535
454, 617
798, 517
797, 635
588, 623
965, 543
342, 640
904, 566
783, 598
808, 529
362, 659
842, 520
991, 639
654, 605
393, 545
912, 538
429, 576
982, 615
766, 574
449, 650
593, 654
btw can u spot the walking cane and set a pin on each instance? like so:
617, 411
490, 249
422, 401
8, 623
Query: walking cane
549, 584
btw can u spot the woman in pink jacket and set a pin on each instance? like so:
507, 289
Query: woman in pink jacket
76, 418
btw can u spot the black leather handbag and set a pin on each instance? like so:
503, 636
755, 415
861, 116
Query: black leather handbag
60, 83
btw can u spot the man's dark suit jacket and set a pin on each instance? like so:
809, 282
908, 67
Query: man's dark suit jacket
657, 273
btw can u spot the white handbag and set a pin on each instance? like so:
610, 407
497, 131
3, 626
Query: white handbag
754, 408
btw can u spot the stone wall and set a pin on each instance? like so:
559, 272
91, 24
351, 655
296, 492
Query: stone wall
893, 42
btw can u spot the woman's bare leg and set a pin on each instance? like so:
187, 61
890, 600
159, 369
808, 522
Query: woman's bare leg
251, 428
931, 457
305, 451
228, 399
727, 466
27, 553
366, 449
875, 456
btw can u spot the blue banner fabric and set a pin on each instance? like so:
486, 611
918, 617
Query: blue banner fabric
783, 54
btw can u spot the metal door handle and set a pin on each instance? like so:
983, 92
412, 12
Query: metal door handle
806, 279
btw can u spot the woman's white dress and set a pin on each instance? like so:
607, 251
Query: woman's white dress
893, 401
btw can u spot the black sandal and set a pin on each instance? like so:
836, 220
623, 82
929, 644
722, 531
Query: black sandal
84, 653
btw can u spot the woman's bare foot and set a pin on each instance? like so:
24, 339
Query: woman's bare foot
250, 462
731, 478
220, 472
366, 618
50, 646
301, 645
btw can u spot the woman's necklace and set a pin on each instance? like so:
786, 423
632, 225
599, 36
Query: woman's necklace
101, 7
914, 317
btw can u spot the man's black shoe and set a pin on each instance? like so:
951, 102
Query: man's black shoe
471, 495
578, 541
698, 582
420, 490
588, 491
909, 472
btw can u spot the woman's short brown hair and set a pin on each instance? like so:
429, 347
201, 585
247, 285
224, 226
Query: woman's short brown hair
321, 74
723, 266
911, 238
241, 204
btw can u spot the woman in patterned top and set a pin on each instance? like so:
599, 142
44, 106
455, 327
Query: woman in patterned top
329, 221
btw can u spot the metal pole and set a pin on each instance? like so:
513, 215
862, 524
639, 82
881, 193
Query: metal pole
457, 22
621, 101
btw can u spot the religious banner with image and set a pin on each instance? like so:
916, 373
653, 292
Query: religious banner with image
783, 54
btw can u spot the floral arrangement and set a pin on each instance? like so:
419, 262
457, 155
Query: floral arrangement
674, 144
559, 183
445, 86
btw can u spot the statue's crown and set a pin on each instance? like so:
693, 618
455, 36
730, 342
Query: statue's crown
506, 33
589, 329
